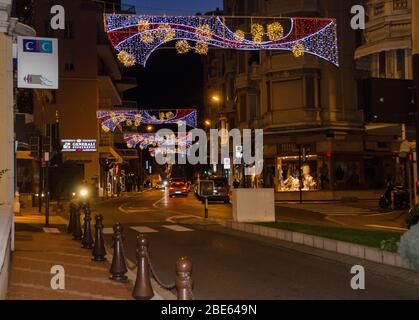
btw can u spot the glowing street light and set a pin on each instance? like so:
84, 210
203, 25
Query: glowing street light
216, 98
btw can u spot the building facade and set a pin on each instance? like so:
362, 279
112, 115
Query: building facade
314, 132
90, 79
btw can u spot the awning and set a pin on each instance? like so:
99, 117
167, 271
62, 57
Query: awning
384, 45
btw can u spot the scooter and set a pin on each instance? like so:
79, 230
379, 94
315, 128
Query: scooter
395, 197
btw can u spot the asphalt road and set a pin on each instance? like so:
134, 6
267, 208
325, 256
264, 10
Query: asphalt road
228, 266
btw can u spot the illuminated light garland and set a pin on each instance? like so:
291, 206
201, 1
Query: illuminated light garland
143, 25
203, 32
298, 49
147, 37
258, 31
239, 35
128, 60
182, 46
201, 48
318, 35
275, 31
110, 120
166, 33
129, 123
155, 143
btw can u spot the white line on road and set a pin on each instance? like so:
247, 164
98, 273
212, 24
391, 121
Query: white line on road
173, 219
51, 230
142, 229
177, 228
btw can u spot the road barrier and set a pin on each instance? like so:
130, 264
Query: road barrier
77, 232
143, 289
99, 252
119, 266
87, 240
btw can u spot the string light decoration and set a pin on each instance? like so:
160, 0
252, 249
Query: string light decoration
203, 32
318, 36
147, 37
110, 120
128, 60
156, 143
166, 33
182, 46
298, 49
201, 48
275, 31
239, 35
258, 31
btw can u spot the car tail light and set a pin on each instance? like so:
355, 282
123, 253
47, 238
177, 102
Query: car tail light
171, 188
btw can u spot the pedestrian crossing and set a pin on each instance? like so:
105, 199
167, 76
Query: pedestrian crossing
139, 229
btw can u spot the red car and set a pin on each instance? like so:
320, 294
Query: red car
178, 189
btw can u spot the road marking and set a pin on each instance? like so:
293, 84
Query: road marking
107, 230
132, 209
385, 227
51, 230
142, 229
174, 218
177, 228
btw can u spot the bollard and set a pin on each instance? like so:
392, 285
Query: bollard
99, 252
184, 282
77, 233
87, 241
70, 227
142, 289
206, 207
119, 266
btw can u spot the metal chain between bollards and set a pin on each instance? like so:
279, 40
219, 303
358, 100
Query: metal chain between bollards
154, 274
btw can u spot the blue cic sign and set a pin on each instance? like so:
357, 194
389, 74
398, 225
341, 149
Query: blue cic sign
37, 46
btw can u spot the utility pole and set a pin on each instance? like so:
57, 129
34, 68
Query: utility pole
415, 64
41, 175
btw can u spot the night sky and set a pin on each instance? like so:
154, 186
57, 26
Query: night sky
175, 6
170, 80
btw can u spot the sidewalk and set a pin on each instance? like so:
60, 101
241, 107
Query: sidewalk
37, 251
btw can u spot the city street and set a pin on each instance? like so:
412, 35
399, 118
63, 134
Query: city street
228, 266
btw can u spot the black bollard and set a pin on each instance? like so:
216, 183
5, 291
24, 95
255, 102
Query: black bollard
71, 219
77, 233
99, 252
87, 241
118, 267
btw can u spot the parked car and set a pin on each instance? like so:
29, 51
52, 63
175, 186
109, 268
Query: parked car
220, 189
178, 189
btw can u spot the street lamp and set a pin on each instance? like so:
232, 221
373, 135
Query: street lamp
216, 98
208, 123
150, 128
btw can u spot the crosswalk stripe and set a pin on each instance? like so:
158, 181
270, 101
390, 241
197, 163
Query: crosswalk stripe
107, 230
51, 230
177, 228
143, 229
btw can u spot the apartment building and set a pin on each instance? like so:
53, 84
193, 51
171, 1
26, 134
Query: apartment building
307, 107
90, 79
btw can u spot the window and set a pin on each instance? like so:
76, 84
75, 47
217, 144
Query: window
379, 9
242, 62
69, 30
268, 96
253, 106
310, 93
400, 4
382, 64
401, 64
243, 108
287, 95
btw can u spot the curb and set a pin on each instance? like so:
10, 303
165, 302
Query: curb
350, 249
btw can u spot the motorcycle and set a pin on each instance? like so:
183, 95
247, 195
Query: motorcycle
401, 198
